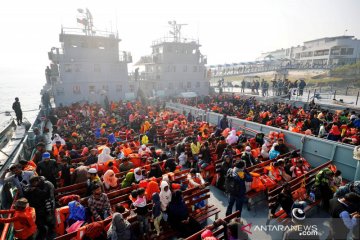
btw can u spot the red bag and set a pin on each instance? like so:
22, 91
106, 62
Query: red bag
94, 230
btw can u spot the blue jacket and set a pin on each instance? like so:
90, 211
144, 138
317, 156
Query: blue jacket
357, 123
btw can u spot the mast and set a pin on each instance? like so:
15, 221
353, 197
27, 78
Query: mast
87, 21
176, 30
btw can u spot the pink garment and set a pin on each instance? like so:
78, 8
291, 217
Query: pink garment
110, 179
140, 202
85, 151
232, 138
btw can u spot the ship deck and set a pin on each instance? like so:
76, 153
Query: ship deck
258, 216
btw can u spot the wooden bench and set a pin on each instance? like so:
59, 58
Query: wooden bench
295, 184
218, 230
132, 219
81, 188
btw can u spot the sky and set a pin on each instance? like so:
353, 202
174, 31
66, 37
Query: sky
230, 31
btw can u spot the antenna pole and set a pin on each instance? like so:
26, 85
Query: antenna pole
176, 30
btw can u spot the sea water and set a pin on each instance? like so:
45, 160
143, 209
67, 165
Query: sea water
28, 92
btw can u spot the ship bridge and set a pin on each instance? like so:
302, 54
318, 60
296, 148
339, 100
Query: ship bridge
88, 66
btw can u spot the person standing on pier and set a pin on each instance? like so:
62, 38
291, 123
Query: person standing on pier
17, 108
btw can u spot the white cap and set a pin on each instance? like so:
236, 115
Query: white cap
248, 148
298, 214
92, 171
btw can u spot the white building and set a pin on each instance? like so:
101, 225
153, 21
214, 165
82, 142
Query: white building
324, 51
87, 67
176, 65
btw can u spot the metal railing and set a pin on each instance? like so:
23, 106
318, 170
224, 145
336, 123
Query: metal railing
316, 150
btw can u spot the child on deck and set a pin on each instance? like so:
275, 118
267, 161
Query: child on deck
141, 211
156, 212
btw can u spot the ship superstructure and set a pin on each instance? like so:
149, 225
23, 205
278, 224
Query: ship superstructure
175, 66
88, 66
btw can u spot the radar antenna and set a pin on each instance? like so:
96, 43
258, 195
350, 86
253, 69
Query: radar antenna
176, 30
87, 21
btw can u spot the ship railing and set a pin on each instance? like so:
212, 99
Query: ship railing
80, 31
316, 150
171, 39
8, 230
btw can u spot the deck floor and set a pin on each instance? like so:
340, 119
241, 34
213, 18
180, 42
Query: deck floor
258, 216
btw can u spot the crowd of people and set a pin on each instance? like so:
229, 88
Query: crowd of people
92, 144
336, 125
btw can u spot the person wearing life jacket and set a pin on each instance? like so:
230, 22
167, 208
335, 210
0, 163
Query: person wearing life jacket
23, 218
111, 165
299, 169
275, 172
145, 126
247, 157
334, 133
27, 165
56, 148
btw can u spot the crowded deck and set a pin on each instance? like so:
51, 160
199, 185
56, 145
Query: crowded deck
130, 170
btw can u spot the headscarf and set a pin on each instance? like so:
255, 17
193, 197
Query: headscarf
155, 171
232, 138
165, 196
151, 188
129, 179
110, 179
120, 228
264, 150
58, 138
85, 151
140, 177
104, 156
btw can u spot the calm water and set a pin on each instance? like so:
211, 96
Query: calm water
28, 93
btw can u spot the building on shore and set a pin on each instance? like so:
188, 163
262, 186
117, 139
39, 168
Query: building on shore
328, 51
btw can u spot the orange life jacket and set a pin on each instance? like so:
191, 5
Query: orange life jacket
56, 150
61, 215
24, 222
